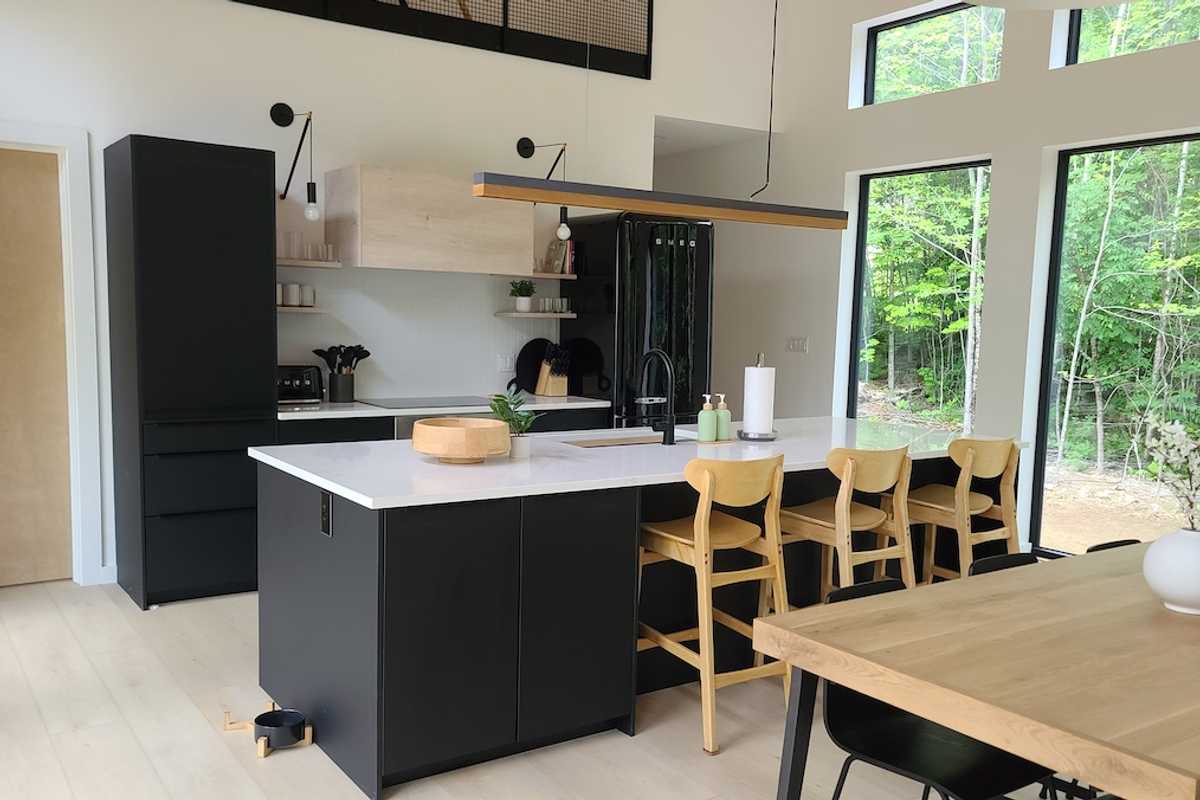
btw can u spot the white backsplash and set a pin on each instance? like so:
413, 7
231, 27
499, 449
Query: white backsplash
429, 333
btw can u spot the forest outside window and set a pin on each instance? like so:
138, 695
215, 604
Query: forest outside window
1122, 342
918, 308
949, 48
1122, 28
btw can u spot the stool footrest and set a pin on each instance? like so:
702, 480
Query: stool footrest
733, 623
762, 573
666, 642
723, 679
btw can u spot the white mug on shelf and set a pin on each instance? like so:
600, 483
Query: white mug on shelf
291, 294
308, 296
279, 294
292, 244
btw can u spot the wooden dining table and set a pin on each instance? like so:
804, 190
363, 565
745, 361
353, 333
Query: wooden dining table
1073, 664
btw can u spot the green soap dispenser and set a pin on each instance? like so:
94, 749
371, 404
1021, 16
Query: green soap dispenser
708, 421
724, 421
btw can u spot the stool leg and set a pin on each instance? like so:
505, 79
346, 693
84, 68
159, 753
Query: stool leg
908, 570
764, 608
930, 543
882, 540
708, 687
845, 571
826, 571
779, 590
966, 554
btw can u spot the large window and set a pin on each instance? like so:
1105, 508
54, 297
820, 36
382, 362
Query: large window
607, 35
946, 49
1122, 341
1122, 28
919, 295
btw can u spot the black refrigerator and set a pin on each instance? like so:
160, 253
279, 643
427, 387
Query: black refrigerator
643, 282
191, 273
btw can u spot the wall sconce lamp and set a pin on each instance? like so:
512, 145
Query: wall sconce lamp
283, 116
526, 149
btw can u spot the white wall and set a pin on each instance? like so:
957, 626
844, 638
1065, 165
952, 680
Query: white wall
209, 69
1020, 122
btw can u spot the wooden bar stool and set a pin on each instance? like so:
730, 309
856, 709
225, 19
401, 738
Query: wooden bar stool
832, 522
954, 507
693, 540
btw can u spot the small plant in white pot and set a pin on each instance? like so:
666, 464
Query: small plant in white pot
523, 291
1172, 564
507, 408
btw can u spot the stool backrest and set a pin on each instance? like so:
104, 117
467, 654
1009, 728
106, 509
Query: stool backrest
986, 458
734, 483
1100, 548
874, 471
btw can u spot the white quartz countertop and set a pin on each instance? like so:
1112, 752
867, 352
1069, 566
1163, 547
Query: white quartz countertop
300, 412
390, 474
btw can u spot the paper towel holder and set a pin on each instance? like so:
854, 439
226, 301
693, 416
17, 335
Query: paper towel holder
760, 361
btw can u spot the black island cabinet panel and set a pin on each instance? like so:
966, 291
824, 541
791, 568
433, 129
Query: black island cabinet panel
316, 431
578, 598
451, 577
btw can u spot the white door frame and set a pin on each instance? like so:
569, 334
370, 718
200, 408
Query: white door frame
90, 563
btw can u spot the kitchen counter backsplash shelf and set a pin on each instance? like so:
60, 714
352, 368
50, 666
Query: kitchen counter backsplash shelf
299, 310
536, 315
307, 263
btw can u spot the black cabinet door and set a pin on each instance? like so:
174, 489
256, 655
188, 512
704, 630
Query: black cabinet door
578, 608
450, 632
204, 245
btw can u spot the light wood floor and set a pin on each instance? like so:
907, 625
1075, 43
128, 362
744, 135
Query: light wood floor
101, 700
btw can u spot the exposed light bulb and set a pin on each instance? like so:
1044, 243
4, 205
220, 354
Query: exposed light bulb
564, 230
312, 211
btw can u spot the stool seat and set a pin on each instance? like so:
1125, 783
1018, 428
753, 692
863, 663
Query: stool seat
941, 497
824, 513
726, 532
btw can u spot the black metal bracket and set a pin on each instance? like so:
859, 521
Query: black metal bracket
283, 116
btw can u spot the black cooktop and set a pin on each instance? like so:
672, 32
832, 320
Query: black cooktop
428, 402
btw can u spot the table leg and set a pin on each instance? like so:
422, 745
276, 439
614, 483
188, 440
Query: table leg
801, 705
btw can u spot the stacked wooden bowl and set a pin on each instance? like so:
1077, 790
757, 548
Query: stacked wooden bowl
461, 440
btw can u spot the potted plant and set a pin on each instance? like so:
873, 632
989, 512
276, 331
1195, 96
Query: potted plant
1172, 564
522, 290
507, 408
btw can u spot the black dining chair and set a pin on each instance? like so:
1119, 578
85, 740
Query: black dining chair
982, 566
955, 766
1097, 548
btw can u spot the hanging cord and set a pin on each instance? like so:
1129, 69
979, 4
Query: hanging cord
312, 136
771, 117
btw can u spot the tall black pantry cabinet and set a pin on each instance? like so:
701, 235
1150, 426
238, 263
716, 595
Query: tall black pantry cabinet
191, 273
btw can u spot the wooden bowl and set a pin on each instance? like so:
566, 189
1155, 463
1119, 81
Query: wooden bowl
460, 440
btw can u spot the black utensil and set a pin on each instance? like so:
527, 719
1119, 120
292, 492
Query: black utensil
329, 356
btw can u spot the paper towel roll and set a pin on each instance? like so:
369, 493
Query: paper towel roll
758, 415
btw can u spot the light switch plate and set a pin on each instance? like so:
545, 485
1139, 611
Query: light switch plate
797, 344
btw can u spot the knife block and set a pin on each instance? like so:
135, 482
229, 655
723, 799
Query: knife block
549, 384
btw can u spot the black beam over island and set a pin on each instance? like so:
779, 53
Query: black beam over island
428, 616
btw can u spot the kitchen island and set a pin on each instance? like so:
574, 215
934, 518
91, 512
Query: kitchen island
427, 616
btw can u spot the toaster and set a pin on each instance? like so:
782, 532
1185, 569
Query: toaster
298, 384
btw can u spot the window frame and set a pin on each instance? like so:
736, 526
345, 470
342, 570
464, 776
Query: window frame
873, 41
860, 253
1050, 326
497, 38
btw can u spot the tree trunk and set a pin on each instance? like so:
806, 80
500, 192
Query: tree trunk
1098, 391
978, 178
1160, 339
891, 375
1087, 301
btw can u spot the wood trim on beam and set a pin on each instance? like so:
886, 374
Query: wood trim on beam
586, 195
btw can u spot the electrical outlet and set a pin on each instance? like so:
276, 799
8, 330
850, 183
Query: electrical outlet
797, 344
505, 363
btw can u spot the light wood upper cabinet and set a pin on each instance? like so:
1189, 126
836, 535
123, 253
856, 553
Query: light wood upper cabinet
397, 218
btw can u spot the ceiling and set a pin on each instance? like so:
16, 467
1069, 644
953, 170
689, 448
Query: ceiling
673, 136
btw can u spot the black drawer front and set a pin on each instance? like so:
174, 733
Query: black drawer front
182, 484
195, 555
585, 419
199, 437
317, 431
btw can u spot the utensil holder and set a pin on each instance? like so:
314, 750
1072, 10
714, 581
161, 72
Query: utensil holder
341, 388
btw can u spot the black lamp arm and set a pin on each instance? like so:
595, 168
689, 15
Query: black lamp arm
561, 155
296, 158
